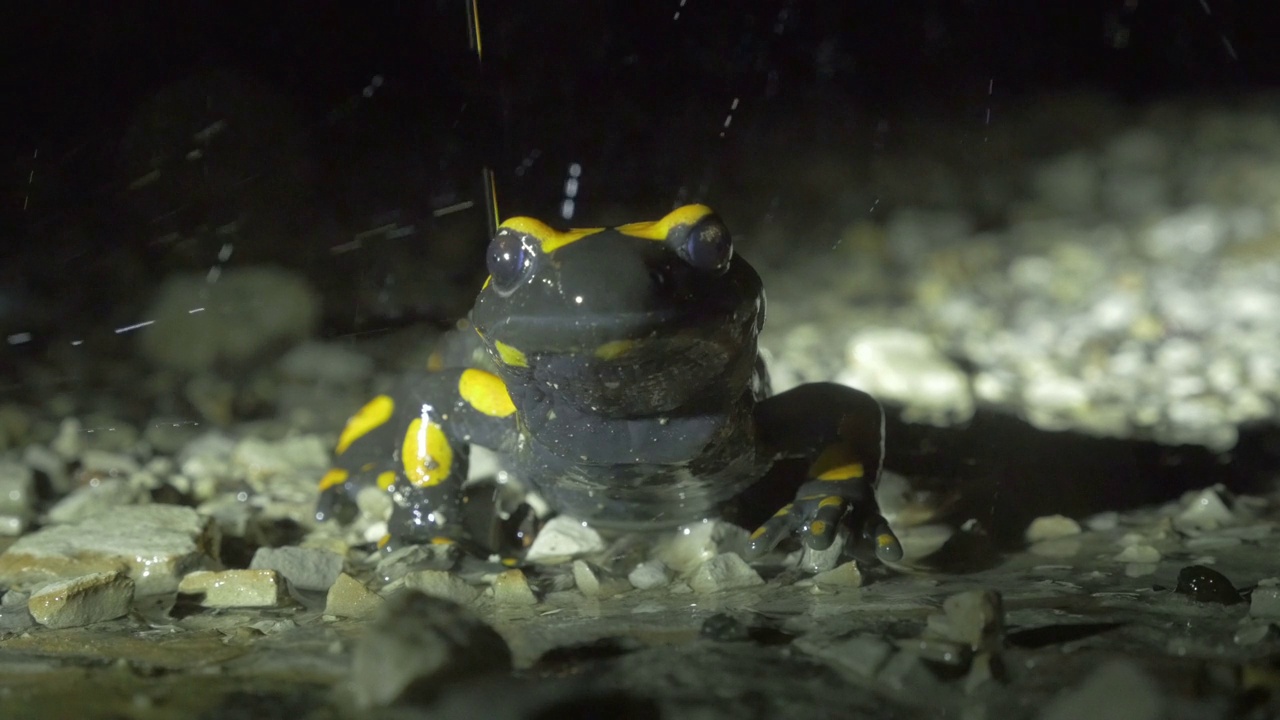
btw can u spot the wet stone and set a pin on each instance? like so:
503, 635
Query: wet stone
153, 544
648, 575
847, 575
348, 597
563, 538
82, 601
101, 496
419, 645
724, 572
1051, 527
512, 588
974, 619
1204, 584
234, 588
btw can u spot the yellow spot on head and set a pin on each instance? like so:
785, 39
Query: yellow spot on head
441, 540
485, 392
510, 356
817, 527
426, 454
660, 229
386, 479
336, 476
758, 532
510, 562
382, 541
884, 540
548, 238
615, 349
783, 511
375, 412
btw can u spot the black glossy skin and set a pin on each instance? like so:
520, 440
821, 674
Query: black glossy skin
630, 357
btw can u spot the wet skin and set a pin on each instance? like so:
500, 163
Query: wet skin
626, 389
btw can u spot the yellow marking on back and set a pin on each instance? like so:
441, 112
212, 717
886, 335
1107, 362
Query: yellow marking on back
510, 355
382, 541
374, 413
852, 471
336, 476
485, 392
386, 479
660, 229
615, 349
426, 454
831, 501
549, 239
837, 462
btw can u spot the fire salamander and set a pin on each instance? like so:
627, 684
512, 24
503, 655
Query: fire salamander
629, 393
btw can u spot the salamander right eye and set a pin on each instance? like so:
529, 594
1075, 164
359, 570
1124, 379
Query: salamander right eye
510, 259
706, 244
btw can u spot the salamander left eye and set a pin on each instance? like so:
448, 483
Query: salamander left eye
510, 259
706, 244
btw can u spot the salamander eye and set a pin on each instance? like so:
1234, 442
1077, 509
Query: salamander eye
510, 259
706, 244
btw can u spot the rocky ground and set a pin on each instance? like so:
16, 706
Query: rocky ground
159, 558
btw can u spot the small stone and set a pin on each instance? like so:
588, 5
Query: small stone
1203, 510
85, 600
17, 497
234, 588
441, 584
724, 572
1265, 602
1118, 690
512, 588
154, 544
1051, 527
562, 539
46, 461
1139, 554
349, 597
304, 568
974, 618
420, 645
846, 575
69, 442
1204, 584
649, 575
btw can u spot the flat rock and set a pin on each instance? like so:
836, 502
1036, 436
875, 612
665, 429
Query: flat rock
304, 568
349, 597
85, 600
234, 588
155, 545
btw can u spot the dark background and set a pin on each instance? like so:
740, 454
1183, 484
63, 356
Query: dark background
346, 116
